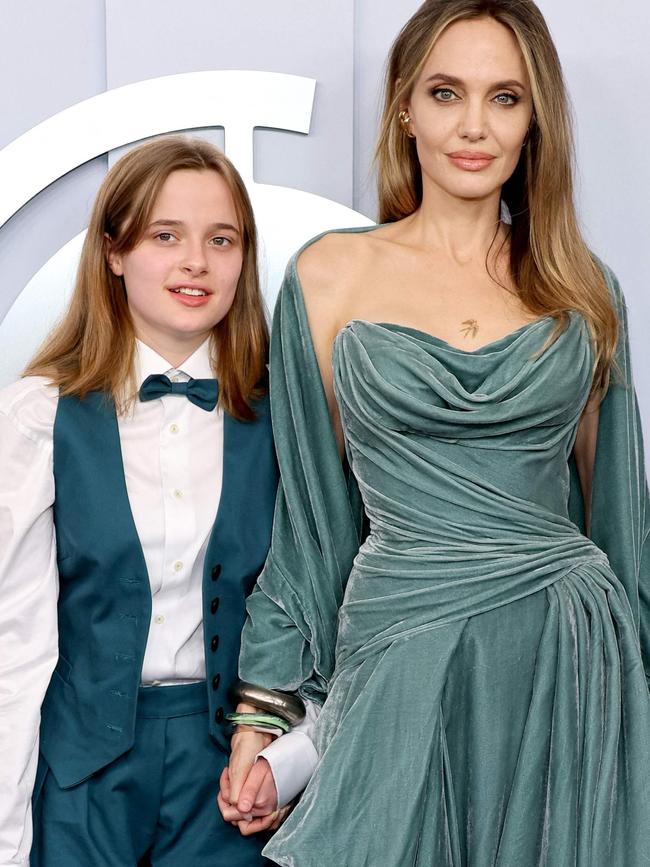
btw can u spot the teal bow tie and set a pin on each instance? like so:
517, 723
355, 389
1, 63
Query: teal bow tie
203, 393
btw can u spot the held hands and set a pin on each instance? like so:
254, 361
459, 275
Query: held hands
248, 797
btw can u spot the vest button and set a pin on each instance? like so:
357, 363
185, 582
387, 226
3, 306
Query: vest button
216, 571
214, 643
216, 680
214, 605
218, 715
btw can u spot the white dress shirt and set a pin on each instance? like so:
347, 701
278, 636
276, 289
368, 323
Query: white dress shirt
172, 453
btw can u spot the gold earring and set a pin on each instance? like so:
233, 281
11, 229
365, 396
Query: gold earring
405, 120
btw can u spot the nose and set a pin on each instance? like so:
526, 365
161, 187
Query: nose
473, 121
194, 260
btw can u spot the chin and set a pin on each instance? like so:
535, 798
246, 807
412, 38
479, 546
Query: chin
468, 185
473, 191
195, 329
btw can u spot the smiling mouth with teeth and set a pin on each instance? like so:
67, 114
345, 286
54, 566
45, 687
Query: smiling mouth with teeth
185, 290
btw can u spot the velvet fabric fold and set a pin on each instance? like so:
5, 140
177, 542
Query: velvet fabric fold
478, 656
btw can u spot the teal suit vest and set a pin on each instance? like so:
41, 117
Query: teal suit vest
104, 609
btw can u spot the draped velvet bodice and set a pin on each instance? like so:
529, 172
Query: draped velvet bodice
462, 461
506, 413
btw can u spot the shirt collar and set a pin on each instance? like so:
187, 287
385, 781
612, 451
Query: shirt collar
148, 362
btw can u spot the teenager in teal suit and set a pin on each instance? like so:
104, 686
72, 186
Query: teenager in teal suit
137, 487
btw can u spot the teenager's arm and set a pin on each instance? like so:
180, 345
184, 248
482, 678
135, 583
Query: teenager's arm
28, 599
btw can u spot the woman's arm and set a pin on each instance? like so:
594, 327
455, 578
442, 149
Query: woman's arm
28, 605
584, 451
289, 636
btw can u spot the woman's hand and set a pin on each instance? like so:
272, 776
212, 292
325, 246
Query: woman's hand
248, 797
244, 746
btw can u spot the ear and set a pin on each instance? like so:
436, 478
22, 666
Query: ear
531, 127
114, 259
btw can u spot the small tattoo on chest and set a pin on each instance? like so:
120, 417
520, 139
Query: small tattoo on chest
470, 328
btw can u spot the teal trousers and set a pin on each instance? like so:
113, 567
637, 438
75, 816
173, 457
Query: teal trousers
154, 806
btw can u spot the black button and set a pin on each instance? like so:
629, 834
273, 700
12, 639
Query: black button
214, 605
214, 643
216, 571
218, 715
216, 680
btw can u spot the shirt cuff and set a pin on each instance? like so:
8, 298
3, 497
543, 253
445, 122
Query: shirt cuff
292, 758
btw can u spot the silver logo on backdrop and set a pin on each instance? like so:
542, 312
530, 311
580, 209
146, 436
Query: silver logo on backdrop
237, 100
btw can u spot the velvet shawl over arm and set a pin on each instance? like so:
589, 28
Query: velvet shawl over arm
620, 509
289, 637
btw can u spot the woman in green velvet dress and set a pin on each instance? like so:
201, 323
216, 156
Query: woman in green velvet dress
476, 643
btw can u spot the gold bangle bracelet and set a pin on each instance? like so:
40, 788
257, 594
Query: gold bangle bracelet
286, 705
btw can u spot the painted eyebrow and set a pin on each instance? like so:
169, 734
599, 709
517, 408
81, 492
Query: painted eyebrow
212, 227
452, 79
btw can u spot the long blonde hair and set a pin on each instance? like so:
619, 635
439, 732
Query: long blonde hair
93, 346
550, 263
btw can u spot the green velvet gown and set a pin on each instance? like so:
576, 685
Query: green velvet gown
479, 659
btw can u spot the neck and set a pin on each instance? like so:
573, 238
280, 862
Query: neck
463, 229
173, 350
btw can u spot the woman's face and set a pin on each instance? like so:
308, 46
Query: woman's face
470, 109
182, 276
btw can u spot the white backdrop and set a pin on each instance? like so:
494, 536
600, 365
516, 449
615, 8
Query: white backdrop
55, 54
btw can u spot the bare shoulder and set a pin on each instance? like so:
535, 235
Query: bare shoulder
331, 266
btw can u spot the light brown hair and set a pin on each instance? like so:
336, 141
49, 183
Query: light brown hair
93, 347
550, 263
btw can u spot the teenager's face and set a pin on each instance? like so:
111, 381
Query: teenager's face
181, 277
470, 109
